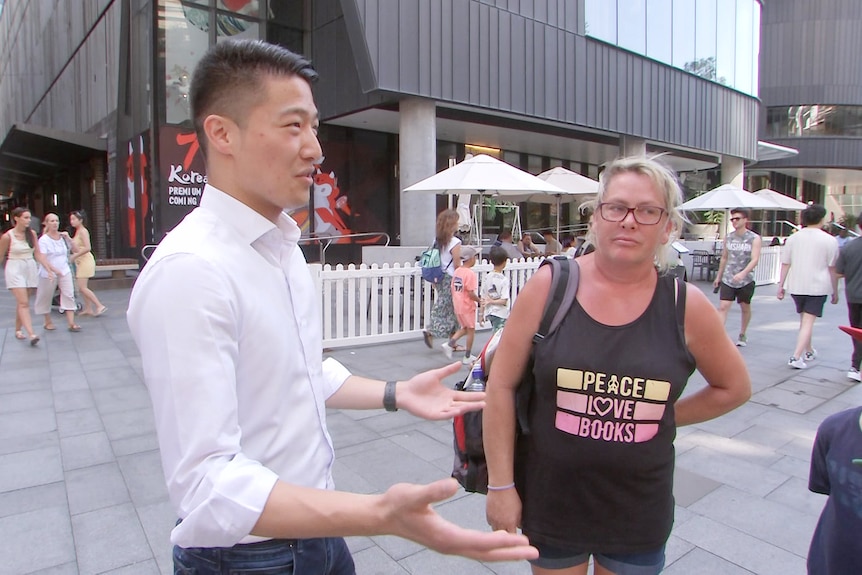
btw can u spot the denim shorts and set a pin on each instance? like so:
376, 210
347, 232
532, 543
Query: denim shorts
648, 563
325, 556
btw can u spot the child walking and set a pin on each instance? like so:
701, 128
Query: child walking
464, 299
495, 290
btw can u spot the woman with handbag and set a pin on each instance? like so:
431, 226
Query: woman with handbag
598, 477
443, 322
85, 264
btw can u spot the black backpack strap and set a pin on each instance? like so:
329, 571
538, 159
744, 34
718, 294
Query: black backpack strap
565, 274
679, 291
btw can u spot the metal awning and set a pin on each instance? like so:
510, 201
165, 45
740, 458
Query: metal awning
31, 154
768, 151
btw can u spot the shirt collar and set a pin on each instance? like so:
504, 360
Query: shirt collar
248, 225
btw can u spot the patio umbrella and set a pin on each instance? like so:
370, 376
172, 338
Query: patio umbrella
782, 202
726, 197
573, 185
485, 176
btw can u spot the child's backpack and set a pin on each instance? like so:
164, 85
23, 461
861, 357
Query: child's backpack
470, 468
431, 264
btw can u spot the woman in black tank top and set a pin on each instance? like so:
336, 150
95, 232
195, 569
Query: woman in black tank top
598, 477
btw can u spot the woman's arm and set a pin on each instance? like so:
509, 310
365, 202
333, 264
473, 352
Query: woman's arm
86, 246
503, 507
456, 256
718, 361
4, 247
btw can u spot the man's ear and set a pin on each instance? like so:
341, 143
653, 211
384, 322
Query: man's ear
221, 133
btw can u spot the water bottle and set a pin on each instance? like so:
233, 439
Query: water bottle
476, 382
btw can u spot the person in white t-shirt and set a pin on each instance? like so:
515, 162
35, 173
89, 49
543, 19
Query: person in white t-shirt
495, 289
808, 268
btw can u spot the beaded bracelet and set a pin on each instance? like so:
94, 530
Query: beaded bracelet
502, 487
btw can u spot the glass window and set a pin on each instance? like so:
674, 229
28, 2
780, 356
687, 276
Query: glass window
744, 47
704, 47
287, 12
601, 19
683, 34
632, 25
230, 26
245, 7
755, 54
659, 19
186, 38
814, 120
725, 59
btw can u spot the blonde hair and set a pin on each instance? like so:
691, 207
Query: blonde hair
665, 181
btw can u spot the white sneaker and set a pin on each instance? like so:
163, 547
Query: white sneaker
810, 355
854, 374
742, 341
469, 359
447, 349
797, 363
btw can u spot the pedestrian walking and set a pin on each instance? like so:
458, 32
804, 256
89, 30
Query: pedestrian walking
55, 245
849, 266
443, 322
808, 268
740, 253
226, 320
85, 264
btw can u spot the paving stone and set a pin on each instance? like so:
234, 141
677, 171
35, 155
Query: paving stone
73, 382
64, 569
739, 473
79, 422
737, 447
30, 468
158, 519
689, 487
95, 487
764, 436
108, 539
739, 548
73, 400
25, 401
36, 540
136, 444
792, 466
794, 494
29, 442
32, 498
374, 560
143, 568
132, 423
388, 464
115, 399
425, 447
769, 521
113, 376
144, 477
430, 563
86, 450
346, 432
700, 562
30, 422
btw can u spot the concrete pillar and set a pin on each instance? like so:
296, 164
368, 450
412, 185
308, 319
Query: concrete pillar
417, 160
632, 146
732, 171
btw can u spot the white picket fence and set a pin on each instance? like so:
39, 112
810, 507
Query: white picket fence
364, 304
376, 304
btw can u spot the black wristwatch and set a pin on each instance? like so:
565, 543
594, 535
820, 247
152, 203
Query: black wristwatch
389, 397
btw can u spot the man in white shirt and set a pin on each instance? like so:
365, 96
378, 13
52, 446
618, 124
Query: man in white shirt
808, 266
229, 334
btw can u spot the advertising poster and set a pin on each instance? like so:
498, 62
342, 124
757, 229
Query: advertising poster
182, 175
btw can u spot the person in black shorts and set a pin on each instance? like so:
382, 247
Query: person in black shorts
739, 256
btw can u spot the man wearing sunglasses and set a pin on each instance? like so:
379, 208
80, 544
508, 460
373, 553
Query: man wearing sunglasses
735, 277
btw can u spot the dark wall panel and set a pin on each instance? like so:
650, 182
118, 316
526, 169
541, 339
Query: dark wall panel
526, 58
819, 153
810, 52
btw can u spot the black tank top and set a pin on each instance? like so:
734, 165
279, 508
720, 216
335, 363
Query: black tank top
600, 456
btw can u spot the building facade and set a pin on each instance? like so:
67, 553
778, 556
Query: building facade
811, 89
98, 111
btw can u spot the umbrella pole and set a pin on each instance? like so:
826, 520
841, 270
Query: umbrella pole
479, 223
559, 207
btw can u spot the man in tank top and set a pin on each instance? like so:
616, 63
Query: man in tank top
735, 277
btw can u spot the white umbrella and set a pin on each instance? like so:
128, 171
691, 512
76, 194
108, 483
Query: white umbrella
727, 197
782, 202
573, 185
485, 176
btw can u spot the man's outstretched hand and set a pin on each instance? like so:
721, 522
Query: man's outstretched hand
425, 395
408, 513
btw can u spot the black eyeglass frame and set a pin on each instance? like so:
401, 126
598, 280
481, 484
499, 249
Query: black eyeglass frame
632, 211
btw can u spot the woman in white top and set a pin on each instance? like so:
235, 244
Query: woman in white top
21, 251
55, 245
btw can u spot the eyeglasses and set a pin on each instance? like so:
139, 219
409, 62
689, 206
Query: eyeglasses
736, 219
644, 215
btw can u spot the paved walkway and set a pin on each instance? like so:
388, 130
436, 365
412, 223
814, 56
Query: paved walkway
81, 488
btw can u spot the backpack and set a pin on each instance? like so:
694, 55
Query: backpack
470, 468
431, 264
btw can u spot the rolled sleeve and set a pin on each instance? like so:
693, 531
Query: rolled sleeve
184, 324
334, 376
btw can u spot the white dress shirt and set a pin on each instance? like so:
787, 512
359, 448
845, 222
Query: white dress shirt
226, 317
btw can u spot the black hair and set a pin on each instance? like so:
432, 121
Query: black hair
230, 75
497, 255
744, 211
813, 215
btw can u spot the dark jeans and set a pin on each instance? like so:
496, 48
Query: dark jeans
328, 556
855, 312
